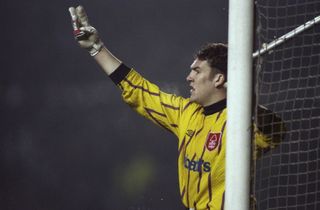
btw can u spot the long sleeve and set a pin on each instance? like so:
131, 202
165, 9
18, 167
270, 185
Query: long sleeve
148, 100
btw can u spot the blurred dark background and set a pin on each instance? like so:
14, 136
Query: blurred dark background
67, 141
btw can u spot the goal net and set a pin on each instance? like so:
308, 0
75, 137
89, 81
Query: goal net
288, 84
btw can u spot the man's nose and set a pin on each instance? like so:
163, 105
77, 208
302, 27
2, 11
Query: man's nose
189, 77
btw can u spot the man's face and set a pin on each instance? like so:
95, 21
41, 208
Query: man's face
201, 82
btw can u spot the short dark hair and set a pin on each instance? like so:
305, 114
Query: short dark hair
216, 54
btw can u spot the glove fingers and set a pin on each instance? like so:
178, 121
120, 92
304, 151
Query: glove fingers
74, 18
72, 12
81, 14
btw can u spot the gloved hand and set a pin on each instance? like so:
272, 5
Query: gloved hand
86, 35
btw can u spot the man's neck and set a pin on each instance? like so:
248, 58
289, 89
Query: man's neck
215, 107
219, 96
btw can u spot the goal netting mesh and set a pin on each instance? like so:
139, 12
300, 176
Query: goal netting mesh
288, 84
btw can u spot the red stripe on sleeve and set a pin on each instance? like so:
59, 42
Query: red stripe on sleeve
150, 111
181, 146
222, 203
218, 116
170, 106
140, 87
188, 202
222, 130
209, 188
200, 172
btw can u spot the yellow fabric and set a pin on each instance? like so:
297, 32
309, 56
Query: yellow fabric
201, 166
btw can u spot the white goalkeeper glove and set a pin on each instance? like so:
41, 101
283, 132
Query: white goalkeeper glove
86, 35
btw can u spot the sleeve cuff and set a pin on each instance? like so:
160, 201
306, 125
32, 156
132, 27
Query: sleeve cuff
119, 74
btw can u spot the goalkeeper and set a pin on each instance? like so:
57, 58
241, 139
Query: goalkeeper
199, 122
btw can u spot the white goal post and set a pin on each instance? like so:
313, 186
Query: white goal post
239, 97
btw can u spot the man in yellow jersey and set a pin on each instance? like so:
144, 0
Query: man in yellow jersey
199, 121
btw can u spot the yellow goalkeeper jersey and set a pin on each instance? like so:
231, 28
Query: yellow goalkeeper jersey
201, 136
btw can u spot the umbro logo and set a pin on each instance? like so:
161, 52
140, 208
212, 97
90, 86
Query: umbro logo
190, 133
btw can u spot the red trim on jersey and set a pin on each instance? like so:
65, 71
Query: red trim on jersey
222, 203
149, 111
200, 129
200, 172
189, 141
222, 131
120, 86
198, 109
189, 181
169, 106
183, 192
187, 194
183, 142
187, 105
154, 111
195, 205
174, 125
181, 146
140, 87
218, 116
210, 189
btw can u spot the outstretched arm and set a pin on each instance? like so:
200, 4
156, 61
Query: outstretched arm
88, 38
144, 97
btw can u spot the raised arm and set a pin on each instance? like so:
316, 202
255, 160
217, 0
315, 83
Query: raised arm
88, 38
141, 95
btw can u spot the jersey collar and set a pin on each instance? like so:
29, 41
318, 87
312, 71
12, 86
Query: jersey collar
216, 107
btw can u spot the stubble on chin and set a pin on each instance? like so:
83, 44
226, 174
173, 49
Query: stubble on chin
192, 99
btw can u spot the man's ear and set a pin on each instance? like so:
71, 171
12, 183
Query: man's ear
219, 80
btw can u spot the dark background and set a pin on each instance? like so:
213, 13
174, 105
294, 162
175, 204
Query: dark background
67, 141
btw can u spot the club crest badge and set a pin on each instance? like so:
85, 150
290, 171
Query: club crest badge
213, 140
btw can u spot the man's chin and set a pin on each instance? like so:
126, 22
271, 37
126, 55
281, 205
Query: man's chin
193, 99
